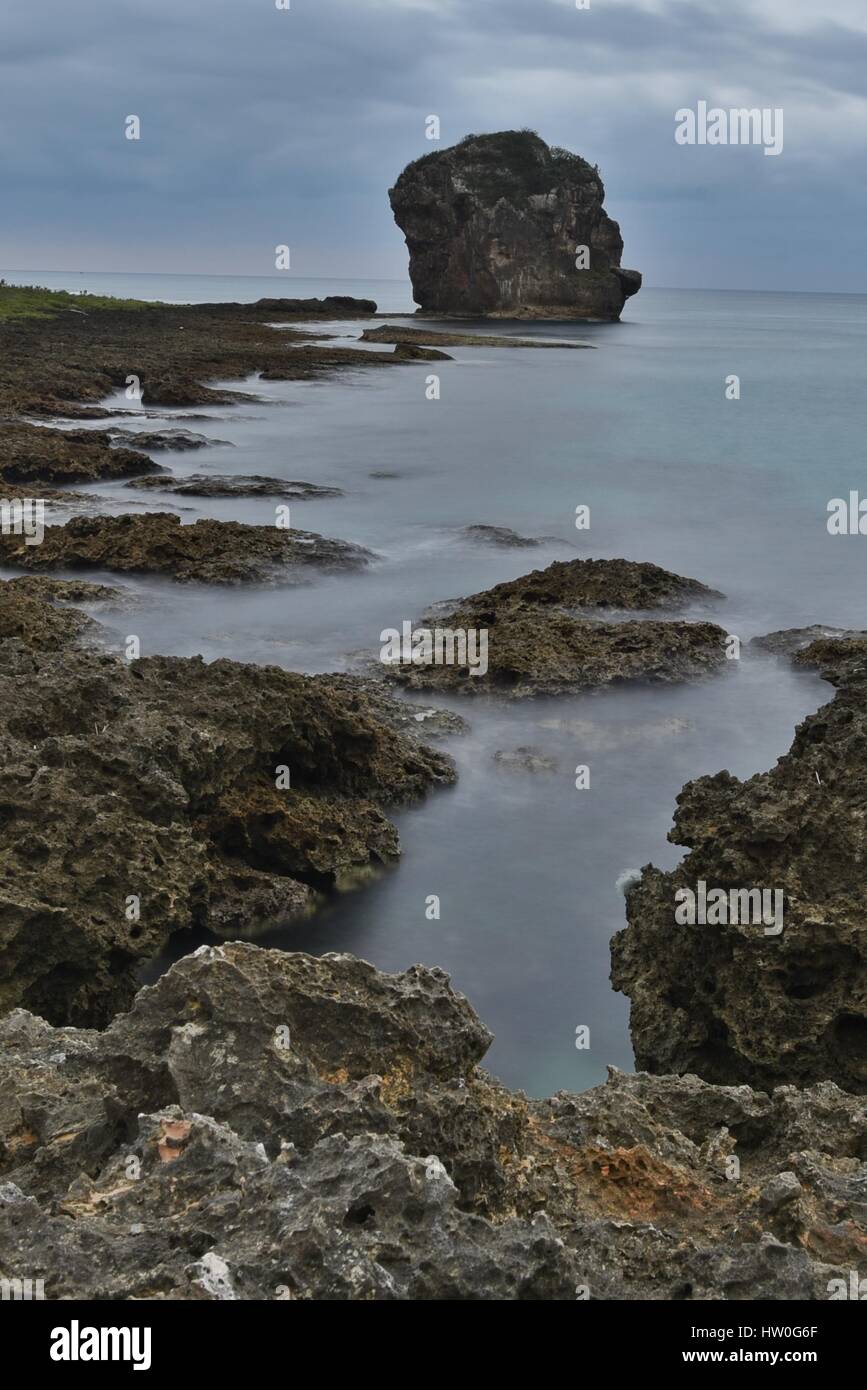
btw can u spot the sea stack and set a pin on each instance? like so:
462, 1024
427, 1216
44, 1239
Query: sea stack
505, 226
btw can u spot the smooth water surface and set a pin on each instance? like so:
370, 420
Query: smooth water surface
731, 492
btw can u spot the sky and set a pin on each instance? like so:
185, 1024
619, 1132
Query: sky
263, 126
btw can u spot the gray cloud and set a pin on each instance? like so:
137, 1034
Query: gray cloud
262, 126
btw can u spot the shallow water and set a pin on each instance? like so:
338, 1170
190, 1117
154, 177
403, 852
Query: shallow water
731, 492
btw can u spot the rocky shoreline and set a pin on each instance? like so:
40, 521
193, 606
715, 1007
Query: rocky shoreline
269, 1125
734, 1002
266, 1124
146, 798
68, 364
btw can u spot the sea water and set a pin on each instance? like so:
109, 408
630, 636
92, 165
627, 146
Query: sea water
641, 430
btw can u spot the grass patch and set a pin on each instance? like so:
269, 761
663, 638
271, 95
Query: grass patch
36, 302
519, 159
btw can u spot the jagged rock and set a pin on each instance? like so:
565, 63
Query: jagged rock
618, 585
67, 365
35, 453
141, 798
265, 1125
185, 390
728, 1001
408, 337
411, 352
64, 590
55, 499
499, 535
494, 226
842, 663
153, 441
234, 485
550, 653
427, 720
311, 360
215, 552
537, 645
796, 639
247, 902
333, 306
407, 716
36, 621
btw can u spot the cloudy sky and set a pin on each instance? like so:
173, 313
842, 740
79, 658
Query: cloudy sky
262, 126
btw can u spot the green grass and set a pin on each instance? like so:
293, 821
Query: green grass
513, 157
35, 302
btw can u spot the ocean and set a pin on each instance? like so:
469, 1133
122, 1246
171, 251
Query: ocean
214, 289
733, 492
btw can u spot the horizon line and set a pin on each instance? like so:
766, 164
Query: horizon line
394, 280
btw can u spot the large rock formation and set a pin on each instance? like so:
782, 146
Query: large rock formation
730, 1001
265, 1125
495, 224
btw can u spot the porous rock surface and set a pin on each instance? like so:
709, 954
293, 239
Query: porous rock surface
156, 441
728, 1001
494, 225
499, 535
233, 485
790, 640
414, 337
411, 352
34, 619
544, 640
49, 590
68, 364
141, 799
265, 1125
35, 453
208, 551
627, 585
